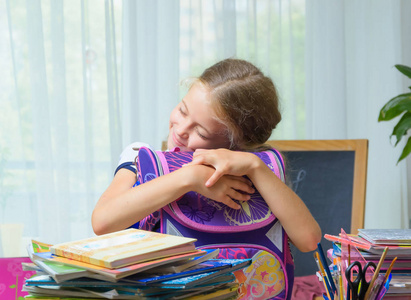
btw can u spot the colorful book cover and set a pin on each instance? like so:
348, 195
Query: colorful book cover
120, 272
75, 292
47, 280
58, 271
202, 278
204, 267
196, 280
61, 272
177, 267
34, 297
124, 248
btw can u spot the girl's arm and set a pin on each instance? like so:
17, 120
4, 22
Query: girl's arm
121, 206
293, 214
301, 227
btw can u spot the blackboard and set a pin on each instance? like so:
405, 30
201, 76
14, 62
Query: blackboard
329, 176
324, 181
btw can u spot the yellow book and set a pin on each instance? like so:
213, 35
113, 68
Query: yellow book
122, 248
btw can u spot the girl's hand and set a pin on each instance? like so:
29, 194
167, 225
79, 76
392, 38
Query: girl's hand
225, 190
225, 162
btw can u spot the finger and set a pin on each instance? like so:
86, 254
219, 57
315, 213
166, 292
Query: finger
214, 178
242, 179
196, 161
233, 194
242, 187
200, 152
230, 203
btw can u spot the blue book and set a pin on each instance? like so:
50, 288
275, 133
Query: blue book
204, 267
203, 278
47, 280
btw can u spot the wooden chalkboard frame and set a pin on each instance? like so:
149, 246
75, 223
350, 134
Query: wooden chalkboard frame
360, 147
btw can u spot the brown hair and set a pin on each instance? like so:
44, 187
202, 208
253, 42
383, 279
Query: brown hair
246, 102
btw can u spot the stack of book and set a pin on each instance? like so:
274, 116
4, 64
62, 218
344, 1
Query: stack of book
130, 264
370, 245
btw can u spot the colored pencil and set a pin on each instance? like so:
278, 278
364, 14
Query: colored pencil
325, 280
327, 269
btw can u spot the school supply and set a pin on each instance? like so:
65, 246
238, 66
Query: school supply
364, 278
109, 274
386, 236
377, 271
212, 265
125, 247
369, 250
327, 270
180, 266
323, 275
360, 284
206, 277
250, 232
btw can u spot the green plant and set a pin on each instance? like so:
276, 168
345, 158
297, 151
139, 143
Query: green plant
395, 107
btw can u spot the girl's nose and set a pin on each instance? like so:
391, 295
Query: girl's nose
183, 130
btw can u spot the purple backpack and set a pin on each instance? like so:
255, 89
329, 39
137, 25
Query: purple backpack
250, 232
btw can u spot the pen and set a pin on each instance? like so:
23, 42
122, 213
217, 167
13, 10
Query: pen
327, 269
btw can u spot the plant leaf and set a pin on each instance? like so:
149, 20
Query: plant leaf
405, 151
402, 127
404, 70
395, 107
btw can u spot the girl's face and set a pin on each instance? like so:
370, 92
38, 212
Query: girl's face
194, 125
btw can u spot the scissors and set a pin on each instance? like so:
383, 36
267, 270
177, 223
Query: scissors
360, 285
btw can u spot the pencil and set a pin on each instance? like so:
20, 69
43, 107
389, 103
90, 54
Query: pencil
340, 283
327, 269
325, 280
377, 271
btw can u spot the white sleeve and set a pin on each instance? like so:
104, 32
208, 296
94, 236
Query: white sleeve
128, 156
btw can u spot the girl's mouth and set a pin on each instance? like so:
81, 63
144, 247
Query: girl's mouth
176, 141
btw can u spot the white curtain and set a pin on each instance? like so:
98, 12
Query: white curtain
168, 41
352, 47
60, 130
81, 79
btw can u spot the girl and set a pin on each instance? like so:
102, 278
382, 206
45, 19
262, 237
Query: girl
232, 106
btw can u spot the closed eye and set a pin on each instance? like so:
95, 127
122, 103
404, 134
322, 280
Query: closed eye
182, 112
201, 136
